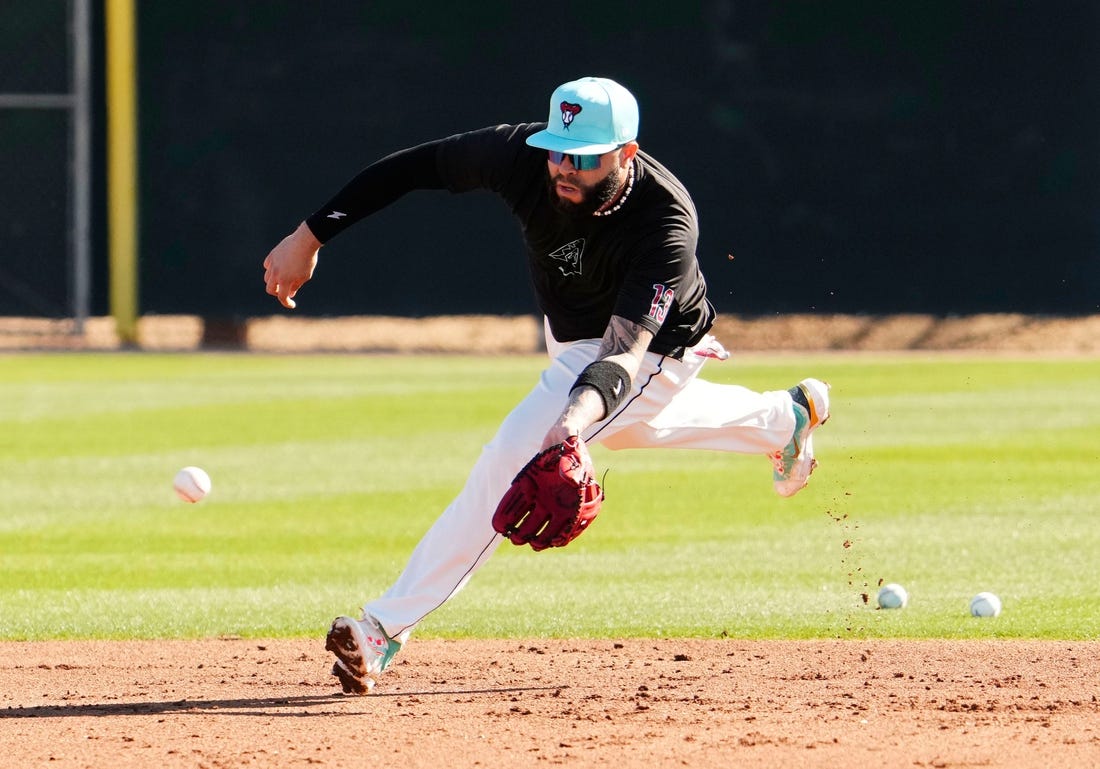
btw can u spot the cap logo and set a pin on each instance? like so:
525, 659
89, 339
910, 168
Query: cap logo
568, 112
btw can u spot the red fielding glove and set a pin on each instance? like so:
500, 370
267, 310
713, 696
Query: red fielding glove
553, 499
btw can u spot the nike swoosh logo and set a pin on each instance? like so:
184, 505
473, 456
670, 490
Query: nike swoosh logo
336, 215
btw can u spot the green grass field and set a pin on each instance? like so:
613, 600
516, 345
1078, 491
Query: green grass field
948, 474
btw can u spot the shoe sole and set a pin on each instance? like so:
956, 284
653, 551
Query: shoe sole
350, 683
349, 667
816, 420
804, 481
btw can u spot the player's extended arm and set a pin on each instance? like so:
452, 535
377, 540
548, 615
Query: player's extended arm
623, 346
290, 264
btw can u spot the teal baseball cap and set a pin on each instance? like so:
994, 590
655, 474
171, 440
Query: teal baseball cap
589, 116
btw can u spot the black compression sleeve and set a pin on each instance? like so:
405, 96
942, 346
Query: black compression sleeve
375, 187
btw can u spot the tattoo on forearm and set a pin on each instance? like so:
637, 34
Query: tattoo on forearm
625, 336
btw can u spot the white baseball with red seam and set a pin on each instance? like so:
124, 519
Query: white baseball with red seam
192, 484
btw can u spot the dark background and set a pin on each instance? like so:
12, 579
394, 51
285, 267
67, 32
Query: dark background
858, 157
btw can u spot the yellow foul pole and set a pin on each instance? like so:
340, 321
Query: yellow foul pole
122, 189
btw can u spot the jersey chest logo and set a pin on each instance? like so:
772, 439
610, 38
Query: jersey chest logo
570, 257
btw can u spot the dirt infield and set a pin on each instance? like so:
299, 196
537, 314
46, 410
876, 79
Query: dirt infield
631, 703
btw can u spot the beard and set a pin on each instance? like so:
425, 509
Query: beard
594, 198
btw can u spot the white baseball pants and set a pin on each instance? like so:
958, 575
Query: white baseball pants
668, 407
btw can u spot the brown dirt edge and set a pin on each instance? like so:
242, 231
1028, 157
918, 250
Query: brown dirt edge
1005, 333
521, 703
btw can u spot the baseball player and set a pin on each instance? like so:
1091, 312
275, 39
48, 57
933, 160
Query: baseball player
610, 238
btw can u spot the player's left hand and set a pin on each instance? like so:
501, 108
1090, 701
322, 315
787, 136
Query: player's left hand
553, 499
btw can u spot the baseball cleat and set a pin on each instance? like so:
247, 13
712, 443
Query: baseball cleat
794, 462
362, 648
349, 682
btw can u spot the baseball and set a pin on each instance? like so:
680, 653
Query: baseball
985, 605
192, 484
892, 596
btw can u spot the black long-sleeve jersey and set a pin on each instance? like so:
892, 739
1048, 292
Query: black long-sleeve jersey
639, 262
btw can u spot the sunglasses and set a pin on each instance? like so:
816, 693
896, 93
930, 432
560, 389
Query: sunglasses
580, 162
